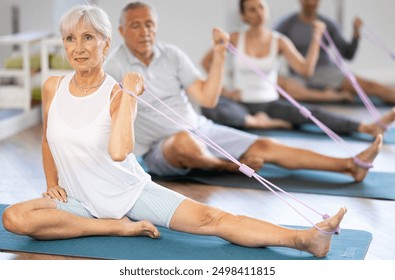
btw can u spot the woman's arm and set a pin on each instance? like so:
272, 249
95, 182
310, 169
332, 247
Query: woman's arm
50, 170
123, 112
303, 65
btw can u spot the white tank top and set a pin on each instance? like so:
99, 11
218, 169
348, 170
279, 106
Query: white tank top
253, 88
78, 133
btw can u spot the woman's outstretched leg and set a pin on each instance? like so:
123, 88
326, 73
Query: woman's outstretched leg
197, 218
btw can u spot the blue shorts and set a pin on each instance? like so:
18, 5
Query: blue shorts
156, 204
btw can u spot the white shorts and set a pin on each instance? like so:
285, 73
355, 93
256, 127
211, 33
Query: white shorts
156, 204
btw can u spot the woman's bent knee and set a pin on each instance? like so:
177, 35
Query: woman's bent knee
13, 220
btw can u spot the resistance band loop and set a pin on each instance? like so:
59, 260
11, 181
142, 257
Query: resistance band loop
242, 167
337, 58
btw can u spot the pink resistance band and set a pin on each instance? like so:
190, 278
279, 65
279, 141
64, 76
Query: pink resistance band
303, 110
242, 167
339, 61
375, 39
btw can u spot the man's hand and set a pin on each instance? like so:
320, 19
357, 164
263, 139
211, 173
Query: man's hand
357, 26
319, 27
220, 40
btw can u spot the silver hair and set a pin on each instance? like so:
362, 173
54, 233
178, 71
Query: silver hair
89, 14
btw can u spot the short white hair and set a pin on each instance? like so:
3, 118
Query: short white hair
88, 14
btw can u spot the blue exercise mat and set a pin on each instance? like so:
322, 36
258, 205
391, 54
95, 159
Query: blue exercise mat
311, 131
348, 245
379, 185
357, 102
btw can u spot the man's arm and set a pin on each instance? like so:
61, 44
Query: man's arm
346, 49
206, 92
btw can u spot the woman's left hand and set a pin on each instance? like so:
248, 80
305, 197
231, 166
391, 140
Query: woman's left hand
56, 192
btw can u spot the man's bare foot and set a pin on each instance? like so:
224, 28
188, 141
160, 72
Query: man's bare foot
316, 242
263, 121
141, 228
375, 128
368, 155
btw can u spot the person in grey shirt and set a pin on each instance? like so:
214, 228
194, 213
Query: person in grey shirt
298, 27
168, 150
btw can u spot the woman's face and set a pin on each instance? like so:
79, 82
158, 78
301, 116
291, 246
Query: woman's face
85, 47
256, 12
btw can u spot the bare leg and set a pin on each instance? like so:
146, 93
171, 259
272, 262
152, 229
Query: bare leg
302, 93
383, 92
197, 218
295, 158
375, 129
183, 151
40, 219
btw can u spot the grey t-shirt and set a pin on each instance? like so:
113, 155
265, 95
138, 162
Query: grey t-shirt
167, 76
300, 34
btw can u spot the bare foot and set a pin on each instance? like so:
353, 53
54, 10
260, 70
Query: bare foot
368, 155
375, 129
316, 242
263, 121
141, 228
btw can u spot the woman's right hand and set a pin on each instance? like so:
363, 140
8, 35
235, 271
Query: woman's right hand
56, 192
134, 82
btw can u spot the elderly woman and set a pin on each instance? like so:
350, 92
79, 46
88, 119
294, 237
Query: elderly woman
95, 186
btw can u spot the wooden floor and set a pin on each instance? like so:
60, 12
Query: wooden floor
21, 178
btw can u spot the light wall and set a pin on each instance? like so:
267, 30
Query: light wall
188, 23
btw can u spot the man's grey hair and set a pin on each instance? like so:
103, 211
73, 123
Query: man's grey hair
136, 5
